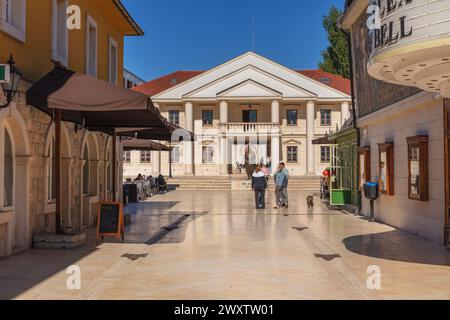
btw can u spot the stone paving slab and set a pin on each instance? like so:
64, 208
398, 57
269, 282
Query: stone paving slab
229, 251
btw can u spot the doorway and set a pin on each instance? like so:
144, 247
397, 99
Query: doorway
249, 116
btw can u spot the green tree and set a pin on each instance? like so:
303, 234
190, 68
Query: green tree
336, 56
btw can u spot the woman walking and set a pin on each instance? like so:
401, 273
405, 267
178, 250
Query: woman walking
259, 186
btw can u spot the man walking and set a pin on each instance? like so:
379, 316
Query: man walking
284, 190
259, 186
279, 180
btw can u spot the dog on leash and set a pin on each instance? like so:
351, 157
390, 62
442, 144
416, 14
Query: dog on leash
310, 201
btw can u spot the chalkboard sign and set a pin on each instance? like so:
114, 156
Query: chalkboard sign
110, 220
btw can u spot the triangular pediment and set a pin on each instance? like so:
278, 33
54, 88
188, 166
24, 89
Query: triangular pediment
250, 66
249, 88
251, 78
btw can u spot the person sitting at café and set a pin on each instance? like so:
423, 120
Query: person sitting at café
162, 184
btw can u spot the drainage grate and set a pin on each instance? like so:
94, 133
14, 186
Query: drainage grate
300, 229
166, 230
327, 257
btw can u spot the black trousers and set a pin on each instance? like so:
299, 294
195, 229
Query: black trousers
260, 199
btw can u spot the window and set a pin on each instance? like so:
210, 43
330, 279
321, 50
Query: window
292, 116
174, 117
292, 154
8, 170
325, 154
59, 32
249, 116
86, 171
386, 168
418, 168
13, 18
175, 154
325, 117
127, 156
91, 47
364, 166
208, 154
207, 117
146, 156
112, 60
51, 171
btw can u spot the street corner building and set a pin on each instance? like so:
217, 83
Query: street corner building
35, 34
247, 110
402, 86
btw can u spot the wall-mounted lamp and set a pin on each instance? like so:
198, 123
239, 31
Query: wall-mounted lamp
10, 87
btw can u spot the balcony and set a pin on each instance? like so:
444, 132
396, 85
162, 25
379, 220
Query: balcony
247, 128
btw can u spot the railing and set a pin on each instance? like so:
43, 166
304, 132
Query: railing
249, 127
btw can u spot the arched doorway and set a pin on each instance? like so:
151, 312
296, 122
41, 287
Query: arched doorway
89, 180
66, 176
108, 169
14, 181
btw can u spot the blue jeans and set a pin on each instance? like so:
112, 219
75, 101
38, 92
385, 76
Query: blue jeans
260, 200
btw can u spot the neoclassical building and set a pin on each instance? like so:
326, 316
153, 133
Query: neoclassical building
250, 103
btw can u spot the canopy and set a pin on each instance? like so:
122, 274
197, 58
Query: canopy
169, 133
144, 145
91, 102
324, 140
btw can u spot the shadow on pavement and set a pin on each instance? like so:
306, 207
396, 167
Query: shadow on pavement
398, 246
22, 272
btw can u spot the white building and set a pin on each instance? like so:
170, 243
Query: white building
130, 80
402, 72
249, 100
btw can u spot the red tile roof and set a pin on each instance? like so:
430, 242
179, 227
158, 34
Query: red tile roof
166, 82
159, 85
336, 82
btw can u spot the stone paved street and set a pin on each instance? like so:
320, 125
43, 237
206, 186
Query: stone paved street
225, 250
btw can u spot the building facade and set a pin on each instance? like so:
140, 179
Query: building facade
402, 67
35, 33
249, 109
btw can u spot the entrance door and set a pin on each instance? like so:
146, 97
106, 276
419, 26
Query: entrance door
249, 116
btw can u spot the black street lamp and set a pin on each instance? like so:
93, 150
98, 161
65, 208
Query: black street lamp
10, 87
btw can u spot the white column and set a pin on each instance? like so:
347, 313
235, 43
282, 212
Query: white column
223, 111
188, 145
310, 119
223, 138
345, 112
275, 153
275, 111
156, 162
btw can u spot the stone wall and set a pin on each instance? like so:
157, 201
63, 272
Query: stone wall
37, 129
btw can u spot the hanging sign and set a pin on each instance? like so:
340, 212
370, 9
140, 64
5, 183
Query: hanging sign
110, 220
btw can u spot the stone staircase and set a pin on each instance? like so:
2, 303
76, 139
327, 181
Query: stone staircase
219, 183
239, 183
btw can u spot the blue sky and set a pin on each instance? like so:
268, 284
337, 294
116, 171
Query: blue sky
201, 34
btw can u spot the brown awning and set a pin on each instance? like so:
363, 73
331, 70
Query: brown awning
324, 140
144, 145
169, 133
91, 102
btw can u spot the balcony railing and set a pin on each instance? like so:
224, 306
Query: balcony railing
249, 127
